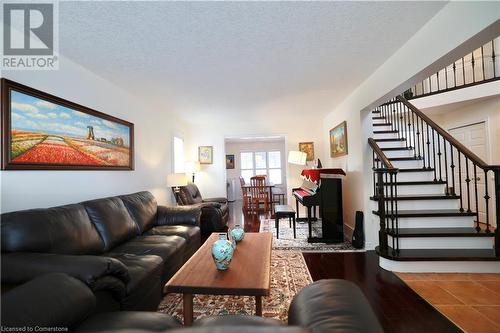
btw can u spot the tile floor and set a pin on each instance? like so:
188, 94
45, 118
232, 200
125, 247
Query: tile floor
471, 301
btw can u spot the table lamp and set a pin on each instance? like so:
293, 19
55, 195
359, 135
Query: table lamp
192, 167
297, 157
175, 181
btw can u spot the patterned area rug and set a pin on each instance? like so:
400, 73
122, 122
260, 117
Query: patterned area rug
287, 242
289, 274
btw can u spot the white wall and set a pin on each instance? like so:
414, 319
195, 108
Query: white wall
235, 148
447, 36
154, 128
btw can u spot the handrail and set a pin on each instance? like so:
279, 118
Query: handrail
382, 156
460, 147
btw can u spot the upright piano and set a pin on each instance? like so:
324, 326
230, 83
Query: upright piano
323, 188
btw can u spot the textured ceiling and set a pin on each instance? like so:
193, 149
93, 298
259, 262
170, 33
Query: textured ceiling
221, 58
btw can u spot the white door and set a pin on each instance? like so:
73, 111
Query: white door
474, 137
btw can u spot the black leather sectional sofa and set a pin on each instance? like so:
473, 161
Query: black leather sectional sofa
123, 248
60, 301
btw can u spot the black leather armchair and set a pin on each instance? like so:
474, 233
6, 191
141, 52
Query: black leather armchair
214, 211
123, 248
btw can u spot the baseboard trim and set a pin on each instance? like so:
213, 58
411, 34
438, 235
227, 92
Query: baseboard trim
440, 266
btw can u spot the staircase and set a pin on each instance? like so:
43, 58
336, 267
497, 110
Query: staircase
437, 202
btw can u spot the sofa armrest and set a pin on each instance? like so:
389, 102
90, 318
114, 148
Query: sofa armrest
220, 200
50, 300
209, 204
179, 215
19, 267
333, 306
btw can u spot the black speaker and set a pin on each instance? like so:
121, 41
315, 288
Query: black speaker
358, 236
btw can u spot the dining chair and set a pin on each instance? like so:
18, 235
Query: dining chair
259, 193
245, 195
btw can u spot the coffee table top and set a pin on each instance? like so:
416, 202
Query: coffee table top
248, 274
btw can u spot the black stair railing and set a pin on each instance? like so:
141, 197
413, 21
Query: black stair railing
386, 192
452, 164
480, 66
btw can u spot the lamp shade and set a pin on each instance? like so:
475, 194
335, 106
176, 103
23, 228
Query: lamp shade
192, 166
176, 180
297, 157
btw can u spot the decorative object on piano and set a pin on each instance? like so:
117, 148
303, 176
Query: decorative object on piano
308, 148
297, 157
192, 167
222, 252
338, 140
205, 154
358, 235
44, 132
229, 161
319, 165
175, 181
237, 233
313, 175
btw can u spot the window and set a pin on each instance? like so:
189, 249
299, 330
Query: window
178, 155
261, 163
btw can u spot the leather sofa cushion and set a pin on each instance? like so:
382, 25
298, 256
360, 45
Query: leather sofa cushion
128, 320
191, 234
144, 285
142, 207
237, 320
49, 300
162, 246
112, 220
189, 195
62, 230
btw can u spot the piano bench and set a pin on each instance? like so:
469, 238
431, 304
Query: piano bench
282, 211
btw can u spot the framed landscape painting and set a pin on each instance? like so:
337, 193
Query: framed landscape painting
338, 140
308, 148
205, 154
43, 132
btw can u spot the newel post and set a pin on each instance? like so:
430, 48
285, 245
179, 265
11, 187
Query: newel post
496, 172
382, 235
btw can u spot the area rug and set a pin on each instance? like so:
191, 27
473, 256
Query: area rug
289, 274
287, 242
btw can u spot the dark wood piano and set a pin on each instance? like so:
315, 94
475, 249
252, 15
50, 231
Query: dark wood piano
322, 188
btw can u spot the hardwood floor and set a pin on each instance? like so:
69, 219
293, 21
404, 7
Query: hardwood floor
398, 307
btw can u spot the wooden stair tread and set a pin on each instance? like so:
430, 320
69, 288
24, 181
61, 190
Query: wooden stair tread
415, 170
423, 197
420, 182
378, 118
441, 232
389, 139
376, 111
429, 213
382, 124
439, 254
385, 132
395, 148
402, 159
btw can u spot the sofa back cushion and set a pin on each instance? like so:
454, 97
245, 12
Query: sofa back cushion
142, 207
62, 230
189, 195
111, 220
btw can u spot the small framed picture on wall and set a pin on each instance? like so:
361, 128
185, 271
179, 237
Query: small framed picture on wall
229, 161
205, 154
308, 148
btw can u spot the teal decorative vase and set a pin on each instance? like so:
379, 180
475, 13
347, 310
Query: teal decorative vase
231, 240
237, 233
222, 252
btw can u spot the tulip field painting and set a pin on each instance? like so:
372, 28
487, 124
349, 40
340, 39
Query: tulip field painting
45, 134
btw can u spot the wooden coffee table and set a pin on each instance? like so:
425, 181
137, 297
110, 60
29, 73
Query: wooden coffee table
249, 273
